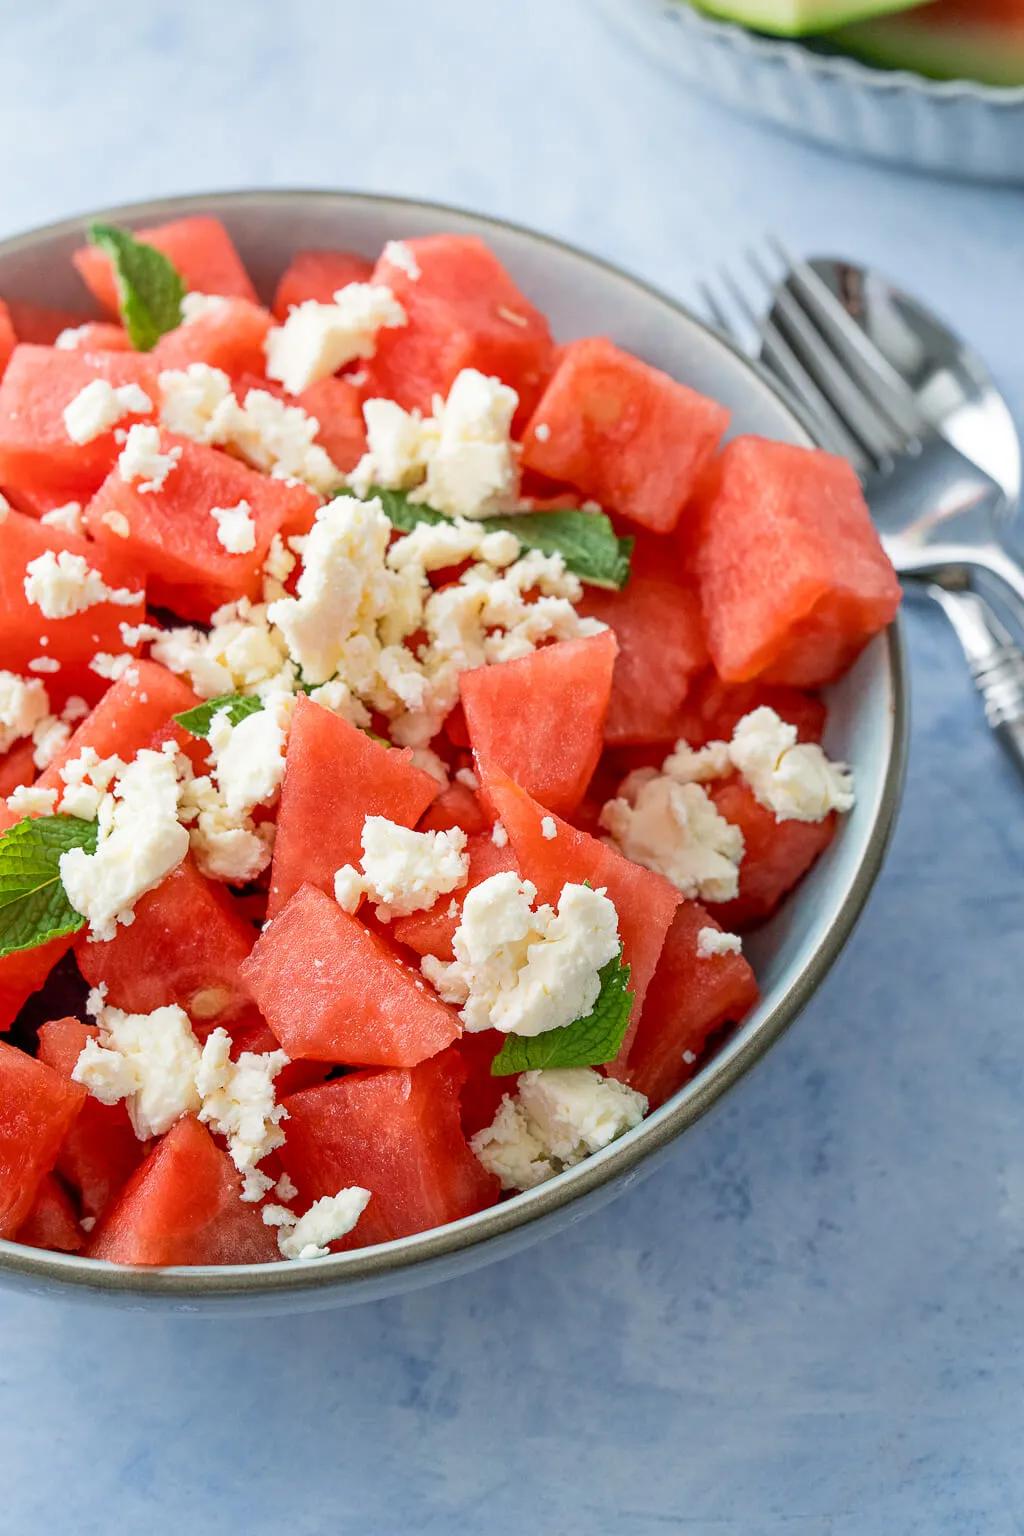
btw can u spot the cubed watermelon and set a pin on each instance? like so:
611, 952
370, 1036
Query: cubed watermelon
623, 432
228, 335
24, 972
464, 311
52, 1222
456, 806
793, 579
644, 901
777, 854
318, 275
39, 324
336, 776
431, 933
37, 1108
35, 449
657, 622
100, 336
397, 1134
714, 709
186, 946
541, 718
331, 990
173, 539
482, 1092
690, 996
17, 767
337, 406
200, 247
182, 1206
101, 1150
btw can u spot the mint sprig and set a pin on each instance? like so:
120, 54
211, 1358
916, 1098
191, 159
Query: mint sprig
588, 1043
149, 286
197, 721
586, 541
33, 905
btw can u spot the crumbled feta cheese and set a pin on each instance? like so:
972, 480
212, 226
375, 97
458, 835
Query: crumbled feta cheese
150, 1060
67, 518
713, 941
558, 1117
61, 584
248, 757
28, 800
72, 337
141, 458
227, 845
24, 704
284, 1189
404, 871
239, 1104
236, 527
99, 406
349, 888
526, 971
548, 828
277, 568
317, 339
44, 664
793, 779
430, 762
86, 779
111, 667
676, 830
49, 738
117, 523
196, 306
328, 1219
467, 778
499, 835
140, 841
542, 431
191, 398
403, 257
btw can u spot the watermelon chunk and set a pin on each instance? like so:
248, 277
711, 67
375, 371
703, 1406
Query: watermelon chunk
482, 1092
793, 580
39, 324
35, 449
200, 247
24, 972
172, 537
689, 997
658, 624
456, 806
229, 335
100, 1151
644, 901
186, 946
338, 406
432, 932
336, 776
255, 1034
182, 1206
623, 432
332, 990
714, 709
397, 1134
17, 767
52, 1222
464, 311
777, 854
541, 719
37, 1107
100, 336
318, 275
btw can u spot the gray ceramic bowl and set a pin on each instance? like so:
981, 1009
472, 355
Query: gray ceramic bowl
867, 726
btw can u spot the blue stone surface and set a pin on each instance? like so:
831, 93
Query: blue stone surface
810, 1323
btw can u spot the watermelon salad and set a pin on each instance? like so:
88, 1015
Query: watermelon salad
403, 718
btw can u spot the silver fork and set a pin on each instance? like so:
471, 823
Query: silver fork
857, 406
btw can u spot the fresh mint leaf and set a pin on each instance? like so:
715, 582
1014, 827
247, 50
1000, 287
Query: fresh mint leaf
198, 721
149, 287
33, 905
586, 541
588, 1043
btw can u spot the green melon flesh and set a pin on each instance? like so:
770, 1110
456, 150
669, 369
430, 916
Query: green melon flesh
795, 18
952, 40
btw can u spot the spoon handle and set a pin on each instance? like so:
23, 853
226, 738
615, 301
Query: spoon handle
996, 665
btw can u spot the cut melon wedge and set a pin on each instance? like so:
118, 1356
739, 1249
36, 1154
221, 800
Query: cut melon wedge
796, 18
949, 40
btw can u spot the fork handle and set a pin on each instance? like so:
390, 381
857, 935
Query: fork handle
996, 665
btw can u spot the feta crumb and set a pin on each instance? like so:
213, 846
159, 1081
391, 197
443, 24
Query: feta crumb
195, 306
49, 738
44, 664
499, 835
713, 941
236, 527
99, 406
248, 757
548, 828
467, 778
141, 458
317, 339
67, 518
148, 1059
542, 431
239, 1104
513, 316
558, 1117
24, 704
107, 665
71, 338
523, 970
328, 1219
28, 800
793, 779
403, 871
284, 1189
349, 888
403, 257
117, 523
689, 1057
86, 779
676, 830
62, 584
140, 841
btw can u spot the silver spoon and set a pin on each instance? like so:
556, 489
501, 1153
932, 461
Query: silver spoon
957, 394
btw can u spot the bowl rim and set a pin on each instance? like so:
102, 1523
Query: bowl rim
409, 1255
794, 53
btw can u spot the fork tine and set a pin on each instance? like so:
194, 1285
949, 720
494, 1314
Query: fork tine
779, 358
853, 345
844, 393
